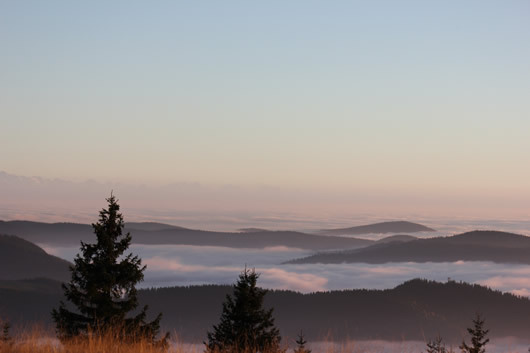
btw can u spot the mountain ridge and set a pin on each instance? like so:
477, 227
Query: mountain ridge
70, 234
381, 228
494, 246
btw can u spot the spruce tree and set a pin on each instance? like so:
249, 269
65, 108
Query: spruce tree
102, 286
245, 326
6, 337
301, 342
436, 346
478, 337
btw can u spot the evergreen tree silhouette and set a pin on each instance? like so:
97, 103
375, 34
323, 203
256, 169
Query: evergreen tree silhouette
436, 346
102, 286
245, 326
301, 342
478, 337
6, 337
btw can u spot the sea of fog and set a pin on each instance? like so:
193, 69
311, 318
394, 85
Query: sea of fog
499, 345
496, 345
179, 265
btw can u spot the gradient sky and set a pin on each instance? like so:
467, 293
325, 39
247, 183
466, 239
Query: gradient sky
400, 97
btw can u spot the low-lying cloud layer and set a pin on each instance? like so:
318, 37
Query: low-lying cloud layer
496, 345
178, 265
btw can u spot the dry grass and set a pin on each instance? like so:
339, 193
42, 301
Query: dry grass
39, 341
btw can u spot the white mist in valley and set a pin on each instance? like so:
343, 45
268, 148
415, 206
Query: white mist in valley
182, 265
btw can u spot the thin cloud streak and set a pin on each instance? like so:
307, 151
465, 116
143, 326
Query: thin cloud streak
229, 207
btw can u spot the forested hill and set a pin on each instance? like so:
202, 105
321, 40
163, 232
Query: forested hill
383, 227
499, 247
413, 310
409, 311
21, 259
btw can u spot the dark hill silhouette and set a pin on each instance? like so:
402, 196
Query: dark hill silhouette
252, 230
29, 302
397, 237
491, 238
20, 259
413, 310
499, 247
69, 234
48, 233
383, 227
149, 226
259, 239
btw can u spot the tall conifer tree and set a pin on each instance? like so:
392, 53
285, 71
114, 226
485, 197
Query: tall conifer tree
102, 287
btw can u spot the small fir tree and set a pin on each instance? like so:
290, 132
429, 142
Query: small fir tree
102, 287
436, 346
301, 342
245, 326
478, 337
6, 337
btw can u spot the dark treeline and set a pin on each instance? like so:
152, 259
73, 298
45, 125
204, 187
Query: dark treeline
414, 310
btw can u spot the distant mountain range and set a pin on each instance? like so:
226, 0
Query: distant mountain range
151, 226
383, 227
494, 246
500, 247
415, 310
21, 259
252, 230
68, 234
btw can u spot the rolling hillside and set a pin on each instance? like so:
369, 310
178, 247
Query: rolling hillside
20, 259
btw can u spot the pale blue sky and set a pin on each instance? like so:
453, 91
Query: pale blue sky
404, 96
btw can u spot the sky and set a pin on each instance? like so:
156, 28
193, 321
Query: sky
412, 106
